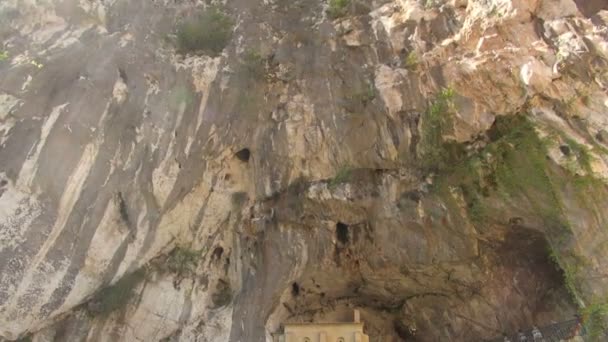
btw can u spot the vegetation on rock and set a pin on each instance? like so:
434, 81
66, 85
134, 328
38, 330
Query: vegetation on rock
338, 8
342, 176
569, 273
512, 166
513, 173
183, 260
595, 317
253, 64
208, 32
412, 61
436, 153
581, 154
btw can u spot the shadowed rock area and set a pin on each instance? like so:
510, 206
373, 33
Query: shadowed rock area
207, 171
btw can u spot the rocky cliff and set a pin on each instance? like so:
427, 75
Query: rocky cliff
186, 170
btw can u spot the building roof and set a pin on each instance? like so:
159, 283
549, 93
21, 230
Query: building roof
330, 323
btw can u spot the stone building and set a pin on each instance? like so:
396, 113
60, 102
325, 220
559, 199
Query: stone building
324, 332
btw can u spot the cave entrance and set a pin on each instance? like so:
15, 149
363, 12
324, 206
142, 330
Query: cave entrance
243, 155
342, 234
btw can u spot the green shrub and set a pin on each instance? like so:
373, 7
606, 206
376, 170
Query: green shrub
183, 260
411, 61
446, 96
342, 176
338, 8
253, 64
208, 32
3, 56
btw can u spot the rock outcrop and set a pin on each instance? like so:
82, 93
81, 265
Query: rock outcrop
440, 165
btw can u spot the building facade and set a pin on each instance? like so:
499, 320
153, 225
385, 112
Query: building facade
324, 332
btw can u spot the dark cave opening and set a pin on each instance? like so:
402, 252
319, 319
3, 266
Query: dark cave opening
342, 232
243, 155
217, 253
394, 309
295, 289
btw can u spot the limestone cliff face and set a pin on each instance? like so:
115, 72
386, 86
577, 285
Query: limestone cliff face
441, 165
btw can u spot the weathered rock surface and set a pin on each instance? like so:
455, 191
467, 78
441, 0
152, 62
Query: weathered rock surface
441, 165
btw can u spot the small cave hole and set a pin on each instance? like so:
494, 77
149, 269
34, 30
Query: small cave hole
295, 289
404, 331
243, 155
217, 252
342, 232
565, 150
3, 182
